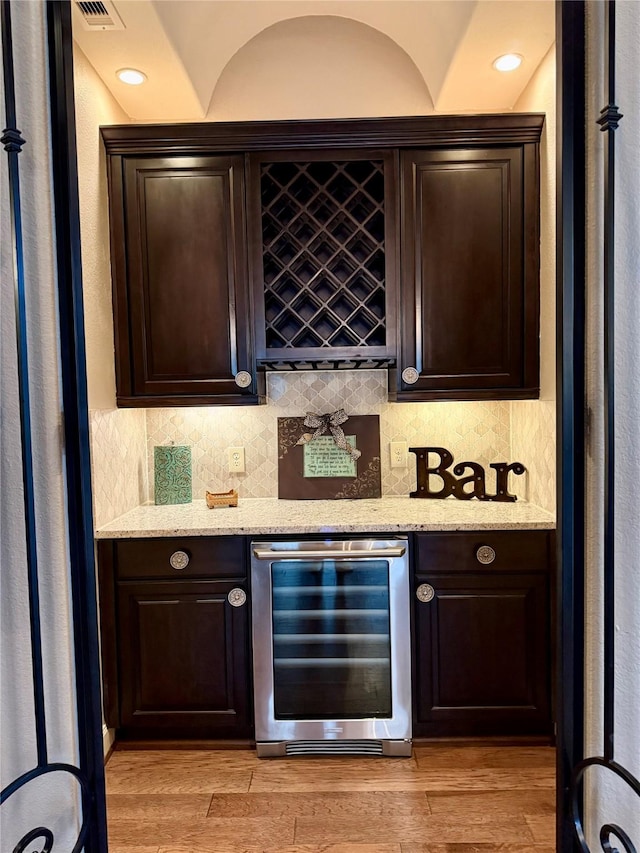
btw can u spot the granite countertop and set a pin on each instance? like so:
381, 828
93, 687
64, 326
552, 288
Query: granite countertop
267, 516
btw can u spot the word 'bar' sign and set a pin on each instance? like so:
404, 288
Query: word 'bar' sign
453, 482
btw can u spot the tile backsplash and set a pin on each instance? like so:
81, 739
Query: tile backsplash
119, 467
533, 438
484, 432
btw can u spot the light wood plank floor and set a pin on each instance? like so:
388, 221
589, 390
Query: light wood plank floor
444, 799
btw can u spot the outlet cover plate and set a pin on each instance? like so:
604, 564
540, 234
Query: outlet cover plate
235, 457
398, 454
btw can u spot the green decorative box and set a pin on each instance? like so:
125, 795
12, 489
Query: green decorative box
172, 474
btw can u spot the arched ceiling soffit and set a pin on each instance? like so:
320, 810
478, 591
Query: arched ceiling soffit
184, 45
428, 32
320, 66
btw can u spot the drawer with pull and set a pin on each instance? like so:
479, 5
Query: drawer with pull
491, 550
185, 557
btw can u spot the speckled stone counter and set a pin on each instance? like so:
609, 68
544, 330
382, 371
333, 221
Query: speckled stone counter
269, 516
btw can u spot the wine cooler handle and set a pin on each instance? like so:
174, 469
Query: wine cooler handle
267, 554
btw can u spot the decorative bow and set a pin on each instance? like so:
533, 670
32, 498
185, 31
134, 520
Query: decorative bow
330, 421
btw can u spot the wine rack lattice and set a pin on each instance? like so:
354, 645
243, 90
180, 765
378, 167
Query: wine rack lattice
323, 254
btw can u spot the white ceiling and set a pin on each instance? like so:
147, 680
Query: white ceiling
184, 47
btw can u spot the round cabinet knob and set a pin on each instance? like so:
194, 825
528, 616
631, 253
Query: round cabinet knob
243, 379
237, 597
425, 592
485, 555
410, 376
179, 560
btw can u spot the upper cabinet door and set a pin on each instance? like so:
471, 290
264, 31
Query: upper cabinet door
470, 284
182, 312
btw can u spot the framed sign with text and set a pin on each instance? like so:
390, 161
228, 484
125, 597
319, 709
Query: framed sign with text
319, 469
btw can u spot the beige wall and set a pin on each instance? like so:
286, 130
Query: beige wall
533, 422
540, 96
319, 67
95, 106
118, 445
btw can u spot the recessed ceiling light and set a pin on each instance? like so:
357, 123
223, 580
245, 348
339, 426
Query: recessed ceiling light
131, 76
508, 62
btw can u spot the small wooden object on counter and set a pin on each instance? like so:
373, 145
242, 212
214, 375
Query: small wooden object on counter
222, 499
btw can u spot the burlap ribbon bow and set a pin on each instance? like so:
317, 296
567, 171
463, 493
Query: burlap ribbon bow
330, 421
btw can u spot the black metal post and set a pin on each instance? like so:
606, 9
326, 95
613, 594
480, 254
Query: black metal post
89, 776
608, 121
13, 142
570, 37
76, 417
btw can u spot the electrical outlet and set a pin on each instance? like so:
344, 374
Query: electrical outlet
235, 456
398, 453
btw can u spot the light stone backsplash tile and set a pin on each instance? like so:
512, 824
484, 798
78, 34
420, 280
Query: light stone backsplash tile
476, 432
119, 465
210, 431
479, 432
533, 442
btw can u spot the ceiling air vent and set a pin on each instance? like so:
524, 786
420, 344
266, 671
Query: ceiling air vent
99, 15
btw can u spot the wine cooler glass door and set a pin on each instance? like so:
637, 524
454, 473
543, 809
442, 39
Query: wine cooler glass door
331, 644
331, 639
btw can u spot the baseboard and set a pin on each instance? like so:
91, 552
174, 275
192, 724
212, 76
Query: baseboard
166, 743
486, 740
108, 739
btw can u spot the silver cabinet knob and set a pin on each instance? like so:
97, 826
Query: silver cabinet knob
179, 560
425, 592
237, 597
485, 555
243, 379
410, 376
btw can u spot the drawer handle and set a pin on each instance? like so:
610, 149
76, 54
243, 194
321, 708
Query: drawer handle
237, 597
485, 555
410, 376
243, 379
425, 593
179, 560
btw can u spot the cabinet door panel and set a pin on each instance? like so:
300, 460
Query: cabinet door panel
186, 277
173, 633
187, 272
482, 655
466, 287
469, 322
183, 656
475, 667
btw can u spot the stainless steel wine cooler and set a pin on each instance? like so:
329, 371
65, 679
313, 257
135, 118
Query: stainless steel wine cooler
331, 654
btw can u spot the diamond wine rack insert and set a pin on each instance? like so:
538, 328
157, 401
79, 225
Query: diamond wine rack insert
323, 235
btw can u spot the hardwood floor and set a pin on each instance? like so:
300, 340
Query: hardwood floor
444, 799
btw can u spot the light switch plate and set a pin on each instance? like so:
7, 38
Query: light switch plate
235, 456
398, 453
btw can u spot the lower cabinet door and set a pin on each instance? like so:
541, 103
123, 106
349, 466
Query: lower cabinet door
183, 658
482, 663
